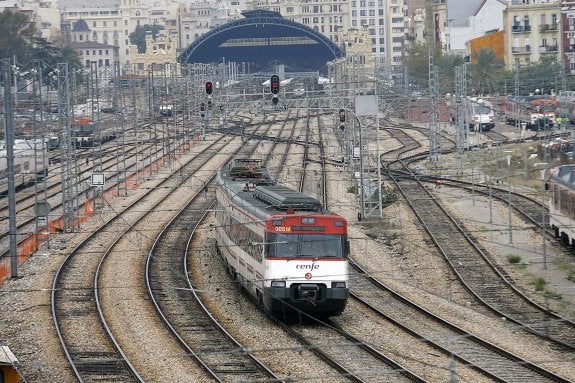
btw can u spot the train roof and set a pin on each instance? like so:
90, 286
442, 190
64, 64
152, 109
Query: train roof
564, 174
249, 183
7, 357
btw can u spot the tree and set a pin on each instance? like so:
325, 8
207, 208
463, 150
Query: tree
418, 65
485, 69
15, 34
446, 68
138, 37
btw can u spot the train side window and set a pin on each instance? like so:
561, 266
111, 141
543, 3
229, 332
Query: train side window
1, 376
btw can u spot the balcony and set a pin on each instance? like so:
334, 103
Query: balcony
521, 28
548, 28
521, 50
549, 49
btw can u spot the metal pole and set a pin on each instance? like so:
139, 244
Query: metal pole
9, 128
543, 220
361, 185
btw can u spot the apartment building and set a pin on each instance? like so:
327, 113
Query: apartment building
533, 31
326, 17
110, 22
385, 22
568, 35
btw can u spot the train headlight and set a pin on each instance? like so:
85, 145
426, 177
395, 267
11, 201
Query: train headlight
279, 284
338, 285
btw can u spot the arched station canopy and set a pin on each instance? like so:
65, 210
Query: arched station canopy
264, 38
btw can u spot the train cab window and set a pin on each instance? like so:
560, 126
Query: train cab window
306, 245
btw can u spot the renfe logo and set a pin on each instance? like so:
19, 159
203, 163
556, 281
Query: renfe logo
307, 267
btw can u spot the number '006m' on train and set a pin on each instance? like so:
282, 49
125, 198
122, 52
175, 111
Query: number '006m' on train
280, 244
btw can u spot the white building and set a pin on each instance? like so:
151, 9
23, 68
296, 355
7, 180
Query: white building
466, 23
327, 18
385, 21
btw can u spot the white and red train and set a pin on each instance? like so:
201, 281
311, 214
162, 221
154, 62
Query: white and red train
536, 112
561, 184
280, 244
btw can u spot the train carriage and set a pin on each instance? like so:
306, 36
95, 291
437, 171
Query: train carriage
280, 244
479, 114
535, 112
30, 164
561, 184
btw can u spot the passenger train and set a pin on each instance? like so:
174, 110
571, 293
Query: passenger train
280, 244
479, 114
30, 164
561, 184
535, 112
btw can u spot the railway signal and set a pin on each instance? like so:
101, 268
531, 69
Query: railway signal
209, 104
275, 100
341, 115
275, 84
209, 88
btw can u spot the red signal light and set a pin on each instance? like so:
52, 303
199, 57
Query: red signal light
209, 87
341, 115
275, 84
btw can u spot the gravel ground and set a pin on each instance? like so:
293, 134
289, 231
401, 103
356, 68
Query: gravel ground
392, 248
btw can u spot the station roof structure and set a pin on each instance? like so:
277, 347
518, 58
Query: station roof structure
264, 38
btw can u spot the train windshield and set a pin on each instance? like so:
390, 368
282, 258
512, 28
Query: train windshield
306, 245
482, 109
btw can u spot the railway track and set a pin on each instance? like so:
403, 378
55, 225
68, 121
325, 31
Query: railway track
473, 267
181, 307
423, 326
90, 347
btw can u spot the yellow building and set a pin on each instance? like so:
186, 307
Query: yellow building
532, 32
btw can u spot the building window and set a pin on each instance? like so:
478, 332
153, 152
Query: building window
87, 52
94, 24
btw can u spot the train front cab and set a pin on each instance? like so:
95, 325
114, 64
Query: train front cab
8, 365
317, 281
